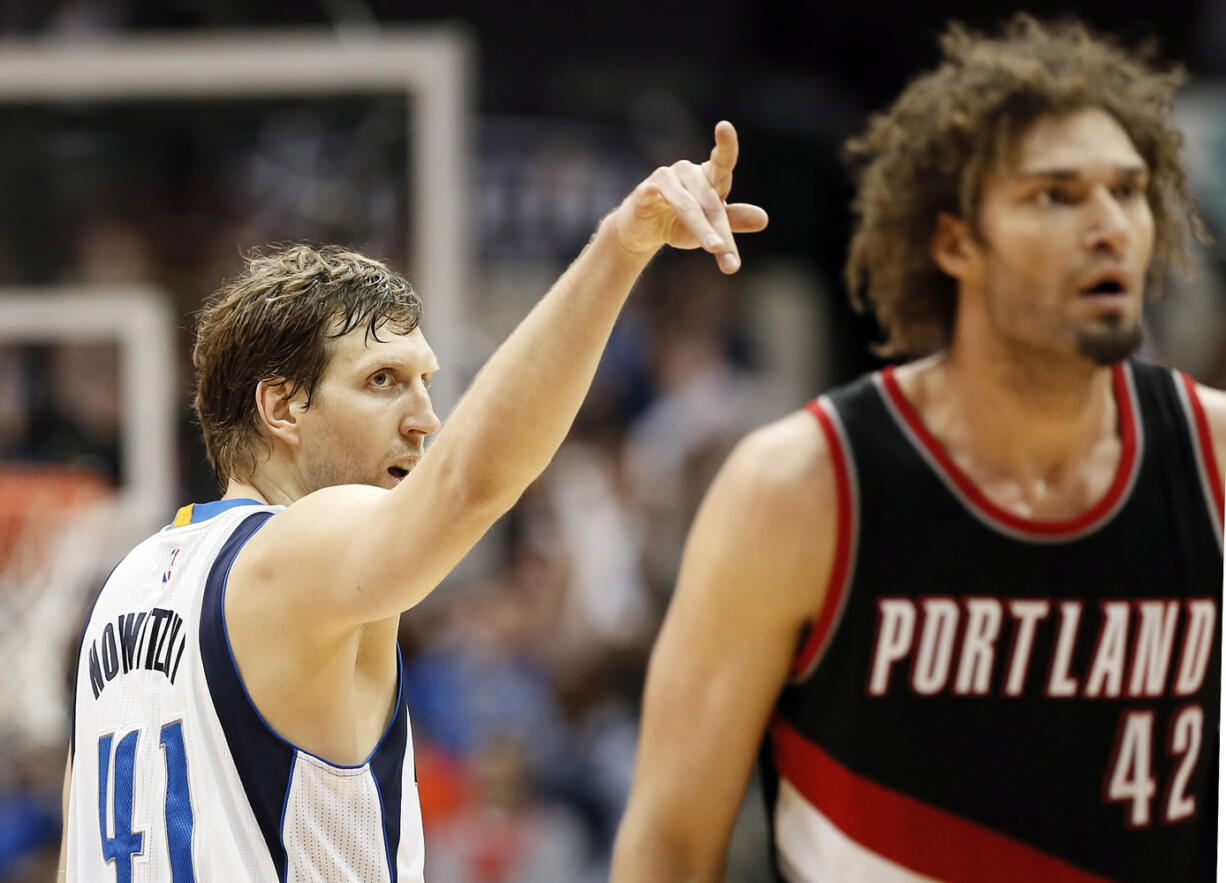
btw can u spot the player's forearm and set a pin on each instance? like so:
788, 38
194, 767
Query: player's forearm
667, 834
642, 855
656, 867
509, 423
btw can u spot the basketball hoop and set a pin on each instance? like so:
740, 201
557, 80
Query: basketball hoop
35, 501
55, 525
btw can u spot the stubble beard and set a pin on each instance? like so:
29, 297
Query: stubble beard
324, 471
1106, 343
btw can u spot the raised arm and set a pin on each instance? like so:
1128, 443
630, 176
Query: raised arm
352, 555
754, 571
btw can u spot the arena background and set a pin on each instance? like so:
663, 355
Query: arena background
118, 214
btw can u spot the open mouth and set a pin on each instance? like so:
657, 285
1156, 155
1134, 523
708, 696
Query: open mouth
1108, 285
397, 472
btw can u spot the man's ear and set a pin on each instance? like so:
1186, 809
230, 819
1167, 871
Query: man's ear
277, 412
952, 246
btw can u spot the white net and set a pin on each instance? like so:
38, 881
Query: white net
56, 531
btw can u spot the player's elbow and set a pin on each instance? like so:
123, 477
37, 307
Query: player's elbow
491, 495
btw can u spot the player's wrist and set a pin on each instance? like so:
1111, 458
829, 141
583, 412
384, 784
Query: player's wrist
610, 239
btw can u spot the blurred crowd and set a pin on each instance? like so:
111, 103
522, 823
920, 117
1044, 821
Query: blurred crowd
524, 671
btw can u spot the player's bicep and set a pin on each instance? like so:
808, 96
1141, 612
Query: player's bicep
349, 555
751, 577
295, 568
720, 660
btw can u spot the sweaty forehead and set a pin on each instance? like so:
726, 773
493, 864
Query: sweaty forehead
358, 351
1082, 140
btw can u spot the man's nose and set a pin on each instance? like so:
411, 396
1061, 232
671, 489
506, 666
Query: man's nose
421, 419
1109, 227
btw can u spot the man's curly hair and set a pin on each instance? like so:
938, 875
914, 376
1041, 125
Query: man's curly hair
933, 149
275, 323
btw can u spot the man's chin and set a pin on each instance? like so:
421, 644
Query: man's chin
1108, 344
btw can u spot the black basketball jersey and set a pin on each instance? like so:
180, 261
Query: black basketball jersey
988, 697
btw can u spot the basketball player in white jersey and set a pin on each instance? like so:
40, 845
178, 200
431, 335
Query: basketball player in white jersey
238, 711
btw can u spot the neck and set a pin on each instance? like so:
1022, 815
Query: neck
1017, 411
1032, 419
259, 488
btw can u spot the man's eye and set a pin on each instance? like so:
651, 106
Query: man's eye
1053, 196
380, 379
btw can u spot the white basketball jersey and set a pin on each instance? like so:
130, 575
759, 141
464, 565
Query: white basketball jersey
176, 777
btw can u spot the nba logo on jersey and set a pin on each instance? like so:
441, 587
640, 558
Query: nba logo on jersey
170, 566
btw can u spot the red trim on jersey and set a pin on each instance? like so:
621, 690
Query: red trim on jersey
836, 587
1068, 527
1207, 456
909, 832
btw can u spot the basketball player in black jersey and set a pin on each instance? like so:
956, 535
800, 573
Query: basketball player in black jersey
966, 609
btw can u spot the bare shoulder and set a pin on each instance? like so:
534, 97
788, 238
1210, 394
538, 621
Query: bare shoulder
784, 463
768, 522
318, 515
298, 550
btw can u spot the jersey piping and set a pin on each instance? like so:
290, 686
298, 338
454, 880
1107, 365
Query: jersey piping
196, 513
1000, 519
842, 570
1202, 440
920, 838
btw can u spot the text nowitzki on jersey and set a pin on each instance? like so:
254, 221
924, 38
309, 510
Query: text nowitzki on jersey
147, 640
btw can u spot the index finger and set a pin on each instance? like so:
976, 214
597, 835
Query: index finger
723, 158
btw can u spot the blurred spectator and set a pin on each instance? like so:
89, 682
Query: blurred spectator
598, 533
705, 401
504, 833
